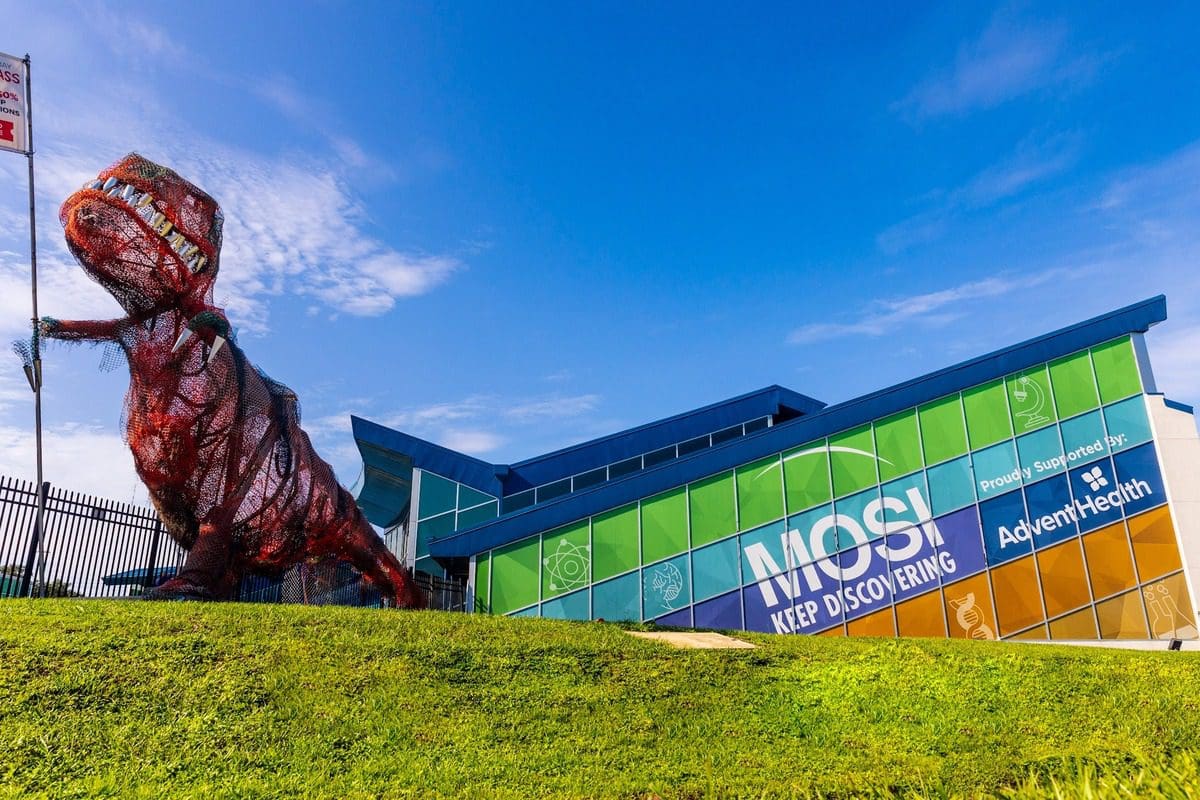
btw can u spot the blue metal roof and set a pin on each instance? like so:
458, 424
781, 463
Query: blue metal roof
1135, 318
390, 455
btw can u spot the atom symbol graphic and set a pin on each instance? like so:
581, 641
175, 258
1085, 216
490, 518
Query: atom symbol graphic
668, 581
567, 566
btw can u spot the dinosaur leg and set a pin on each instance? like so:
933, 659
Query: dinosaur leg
370, 556
207, 574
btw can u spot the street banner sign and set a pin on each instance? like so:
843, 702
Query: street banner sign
14, 113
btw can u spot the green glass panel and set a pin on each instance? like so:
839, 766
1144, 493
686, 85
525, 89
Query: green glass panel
943, 434
986, 409
468, 497
852, 460
438, 495
898, 445
664, 525
711, 504
478, 514
614, 542
483, 582
1074, 385
1116, 370
566, 560
1029, 400
759, 496
806, 476
515, 576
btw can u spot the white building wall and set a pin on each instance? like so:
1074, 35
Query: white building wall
1179, 455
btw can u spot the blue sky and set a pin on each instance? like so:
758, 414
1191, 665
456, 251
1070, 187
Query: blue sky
510, 227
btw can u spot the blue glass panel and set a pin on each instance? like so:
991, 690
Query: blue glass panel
960, 553
679, 619
618, 599
1051, 512
569, 606
1041, 454
808, 614
1083, 438
866, 583
723, 613
1091, 485
762, 552
1003, 536
666, 587
1127, 424
951, 485
912, 560
715, 569
1140, 482
996, 469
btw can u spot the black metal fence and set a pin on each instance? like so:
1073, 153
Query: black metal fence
91, 547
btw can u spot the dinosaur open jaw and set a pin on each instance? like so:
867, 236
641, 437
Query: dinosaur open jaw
142, 204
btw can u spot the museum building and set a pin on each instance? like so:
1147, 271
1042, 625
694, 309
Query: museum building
1043, 491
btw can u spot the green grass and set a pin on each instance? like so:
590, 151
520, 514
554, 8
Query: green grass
190, 700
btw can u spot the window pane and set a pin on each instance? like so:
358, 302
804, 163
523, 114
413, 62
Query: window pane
806, 475
515, 576
664, 525
996, 470
1122, 617
898, 445
922, 616
1108, 560
614, 542
483, 583
1155, 548
1116, 370
943, 434
569, 606
1064, 580
951, 485
712, 511
566, 560
969, 609
1080, 626
1018, 602
1083, 438
1170, 609
665, 588
1074, 385
852, 461
759, 495
438, 495
619, 599
1127, 423
715, 569
986, 410
1029, 400
1041, 454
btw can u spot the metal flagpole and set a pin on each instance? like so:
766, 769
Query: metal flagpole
37, 354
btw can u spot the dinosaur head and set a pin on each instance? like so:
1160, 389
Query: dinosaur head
151, 238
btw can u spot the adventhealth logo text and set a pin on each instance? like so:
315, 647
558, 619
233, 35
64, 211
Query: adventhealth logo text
1078, 509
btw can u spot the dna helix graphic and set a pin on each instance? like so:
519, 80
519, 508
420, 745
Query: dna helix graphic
971, 618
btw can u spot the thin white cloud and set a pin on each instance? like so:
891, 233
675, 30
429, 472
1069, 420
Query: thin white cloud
1010, 58
555, 407
471, 442
931, 309
78, 457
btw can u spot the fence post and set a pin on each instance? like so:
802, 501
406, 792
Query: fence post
35, 540
148, 582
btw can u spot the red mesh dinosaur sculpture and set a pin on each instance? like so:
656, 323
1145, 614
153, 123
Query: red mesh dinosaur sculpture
217, 443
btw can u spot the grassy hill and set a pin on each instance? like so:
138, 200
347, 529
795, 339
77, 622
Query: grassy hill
191, 700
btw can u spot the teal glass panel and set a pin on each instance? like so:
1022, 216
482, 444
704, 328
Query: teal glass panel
1083, 438
438, 495
904, 500
715, 569
996, 470
1041, 454
666, 587
1127, 423
618, 599
817, 534
569, 606
762, 551
433, 528
478, 514
468, 497
851, 511
529, 612
951, 485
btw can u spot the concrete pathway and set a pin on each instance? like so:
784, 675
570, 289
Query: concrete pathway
700, 641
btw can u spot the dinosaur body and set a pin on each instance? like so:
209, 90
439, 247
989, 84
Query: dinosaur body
217, 443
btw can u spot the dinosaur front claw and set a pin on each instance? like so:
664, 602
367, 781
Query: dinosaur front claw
183, 337
218, 342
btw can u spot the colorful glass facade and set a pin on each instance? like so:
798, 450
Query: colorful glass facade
1029, 506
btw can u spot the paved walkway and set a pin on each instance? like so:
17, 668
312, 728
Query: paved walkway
701, 641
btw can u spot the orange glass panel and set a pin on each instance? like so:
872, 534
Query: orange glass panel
1037, 634
1064, 580
1080, 625
922, 616
969, 608
880, 623
1108, 560
1170, 609
1122, 617
1018, 602
1154, 545
833, 632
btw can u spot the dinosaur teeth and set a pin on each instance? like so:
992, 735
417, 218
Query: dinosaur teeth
142, 204
143, 201
110, 183
128, 192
